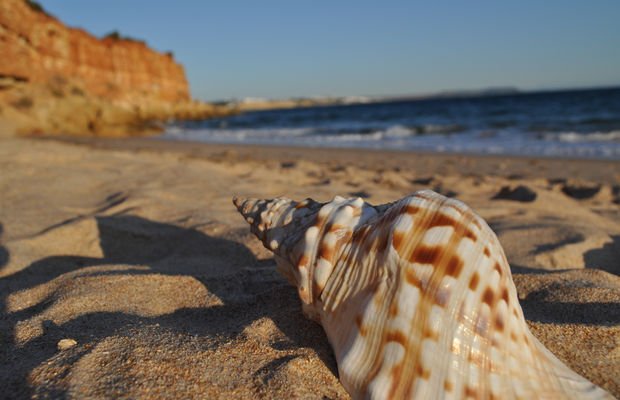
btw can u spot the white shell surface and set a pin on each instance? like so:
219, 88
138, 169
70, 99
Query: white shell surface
416, 298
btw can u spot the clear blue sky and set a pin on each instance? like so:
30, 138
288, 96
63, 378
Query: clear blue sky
290, 48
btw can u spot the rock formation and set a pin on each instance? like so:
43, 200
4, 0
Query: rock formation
35, 46
60, 80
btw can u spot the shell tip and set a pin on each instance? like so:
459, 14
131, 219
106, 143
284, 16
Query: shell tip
238, 202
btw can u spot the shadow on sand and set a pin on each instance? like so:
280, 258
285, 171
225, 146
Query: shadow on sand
606, 258
4, 254
538, 307
592, 313
248, 288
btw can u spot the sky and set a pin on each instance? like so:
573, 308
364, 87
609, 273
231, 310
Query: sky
288, 48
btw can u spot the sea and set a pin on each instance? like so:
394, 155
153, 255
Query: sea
569, 123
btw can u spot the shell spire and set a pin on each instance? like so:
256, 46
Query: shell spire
416, 298
278, 223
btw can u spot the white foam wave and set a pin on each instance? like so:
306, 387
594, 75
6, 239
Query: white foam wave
399, 137
397, 131
237, 135
574, 137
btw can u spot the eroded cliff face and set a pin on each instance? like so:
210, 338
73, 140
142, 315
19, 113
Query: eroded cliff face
35, 47
56, 80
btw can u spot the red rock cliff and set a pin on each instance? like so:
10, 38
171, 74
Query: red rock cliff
36, 47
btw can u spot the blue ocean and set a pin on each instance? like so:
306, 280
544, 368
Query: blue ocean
575, 123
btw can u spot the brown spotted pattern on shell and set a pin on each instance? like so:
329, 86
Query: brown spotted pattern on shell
416, 298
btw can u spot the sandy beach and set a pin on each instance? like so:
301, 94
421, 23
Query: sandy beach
126, 272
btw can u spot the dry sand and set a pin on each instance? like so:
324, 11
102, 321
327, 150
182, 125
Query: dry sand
125, 271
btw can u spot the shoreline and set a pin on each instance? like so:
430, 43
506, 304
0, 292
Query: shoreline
510, 166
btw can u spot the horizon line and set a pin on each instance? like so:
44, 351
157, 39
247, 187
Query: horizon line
490, 91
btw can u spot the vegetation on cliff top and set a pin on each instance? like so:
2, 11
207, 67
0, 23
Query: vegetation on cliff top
116, 35
35, 6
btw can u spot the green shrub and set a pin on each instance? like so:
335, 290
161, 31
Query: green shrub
116, 35
36, 6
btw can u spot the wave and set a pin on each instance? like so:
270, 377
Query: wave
434, 138
575, 137
236, 135
336, 132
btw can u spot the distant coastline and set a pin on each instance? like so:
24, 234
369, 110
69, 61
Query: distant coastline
258, 103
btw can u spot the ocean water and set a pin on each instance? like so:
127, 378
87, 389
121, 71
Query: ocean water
577, 123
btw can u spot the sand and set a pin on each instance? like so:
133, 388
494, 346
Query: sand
125, 271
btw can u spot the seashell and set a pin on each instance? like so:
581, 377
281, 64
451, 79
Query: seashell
416, 298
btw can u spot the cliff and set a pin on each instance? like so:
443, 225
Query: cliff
60, 80
35, 47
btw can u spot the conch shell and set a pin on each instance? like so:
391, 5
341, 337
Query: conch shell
415, 296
